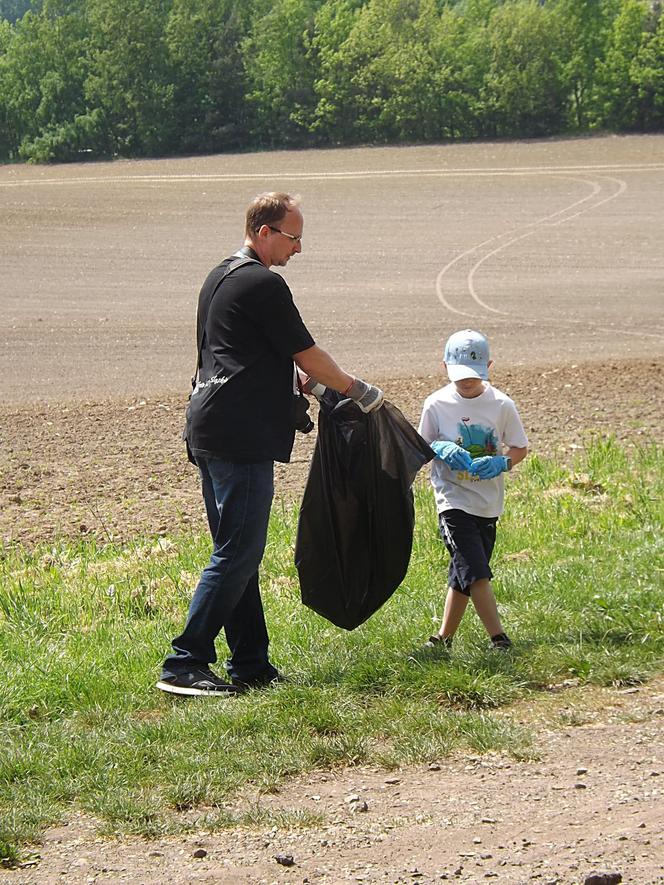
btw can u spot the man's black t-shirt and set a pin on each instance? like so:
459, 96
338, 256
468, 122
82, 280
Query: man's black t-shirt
242, 406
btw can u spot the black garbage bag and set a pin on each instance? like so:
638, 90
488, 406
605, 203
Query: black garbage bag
355, 530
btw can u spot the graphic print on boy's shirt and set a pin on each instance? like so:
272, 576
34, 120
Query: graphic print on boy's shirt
478, 441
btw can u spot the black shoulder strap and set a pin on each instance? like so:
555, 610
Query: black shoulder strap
237, 262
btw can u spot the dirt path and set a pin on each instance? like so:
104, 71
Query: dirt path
116, 468
591, 804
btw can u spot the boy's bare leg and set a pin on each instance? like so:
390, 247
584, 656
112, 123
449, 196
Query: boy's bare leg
455, 606
485, 606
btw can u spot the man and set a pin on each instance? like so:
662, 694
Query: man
240, 420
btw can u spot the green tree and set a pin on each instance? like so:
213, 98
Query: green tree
334, 116
585, 26
463, 58
430, 70
402, 70
617, 98
148, 77
13, 10
647, 74
404, 82
203, 38
8, 135
378, 79
42, 74
129, 88
379, 61
524, 91
281, 69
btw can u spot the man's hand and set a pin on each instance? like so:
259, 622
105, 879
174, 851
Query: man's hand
453, 455
365, 395
489, 466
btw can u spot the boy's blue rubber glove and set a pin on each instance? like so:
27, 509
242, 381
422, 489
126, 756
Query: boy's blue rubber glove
489, 466
452, 454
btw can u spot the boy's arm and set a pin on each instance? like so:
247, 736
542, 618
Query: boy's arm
514, 433
491, 466
427, 428
516, 454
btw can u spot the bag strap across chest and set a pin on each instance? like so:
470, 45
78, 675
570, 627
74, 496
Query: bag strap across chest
239, 261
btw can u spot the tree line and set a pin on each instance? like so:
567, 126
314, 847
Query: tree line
134, 78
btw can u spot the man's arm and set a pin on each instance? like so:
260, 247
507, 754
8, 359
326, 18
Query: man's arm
324, 372
318, 364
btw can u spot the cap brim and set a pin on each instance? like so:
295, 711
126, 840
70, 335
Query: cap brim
459, 373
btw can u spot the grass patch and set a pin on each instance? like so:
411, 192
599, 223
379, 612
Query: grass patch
83, 629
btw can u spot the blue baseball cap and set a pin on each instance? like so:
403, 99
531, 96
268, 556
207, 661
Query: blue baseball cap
467, 356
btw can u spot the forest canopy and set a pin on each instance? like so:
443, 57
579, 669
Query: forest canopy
133, 78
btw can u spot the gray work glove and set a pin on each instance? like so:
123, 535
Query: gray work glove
365, 395
314, 387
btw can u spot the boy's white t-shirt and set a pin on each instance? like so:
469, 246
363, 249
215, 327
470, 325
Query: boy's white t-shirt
483, 425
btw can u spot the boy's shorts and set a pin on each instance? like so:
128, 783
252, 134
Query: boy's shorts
470, 540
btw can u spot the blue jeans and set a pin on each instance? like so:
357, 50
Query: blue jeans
238, 498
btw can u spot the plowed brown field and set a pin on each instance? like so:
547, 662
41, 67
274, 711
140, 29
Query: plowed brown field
552, 248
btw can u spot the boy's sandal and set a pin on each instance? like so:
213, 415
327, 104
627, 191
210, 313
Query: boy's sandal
437, 640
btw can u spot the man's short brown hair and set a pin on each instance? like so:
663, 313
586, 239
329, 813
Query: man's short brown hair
268, 209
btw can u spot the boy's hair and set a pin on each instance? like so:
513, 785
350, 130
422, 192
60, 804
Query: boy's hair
267, 209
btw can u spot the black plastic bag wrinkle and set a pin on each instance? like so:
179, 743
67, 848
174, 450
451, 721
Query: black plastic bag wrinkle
355, 531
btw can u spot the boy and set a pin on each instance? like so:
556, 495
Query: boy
469, 424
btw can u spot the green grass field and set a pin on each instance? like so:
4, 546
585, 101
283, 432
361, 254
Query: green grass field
83, 630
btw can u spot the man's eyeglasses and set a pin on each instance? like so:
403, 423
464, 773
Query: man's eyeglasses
296, 237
